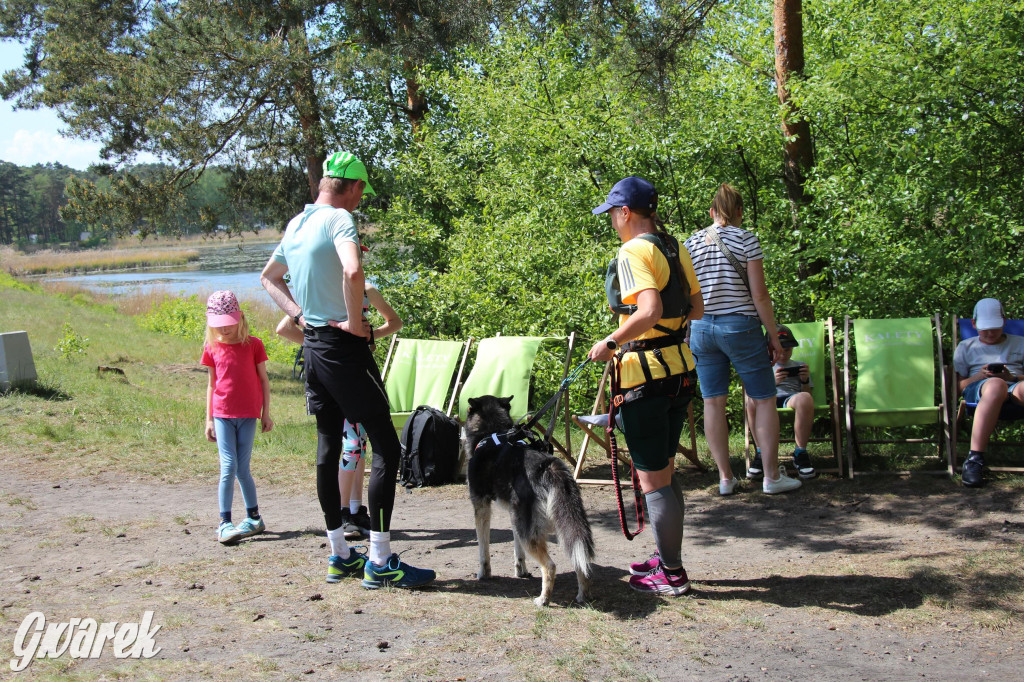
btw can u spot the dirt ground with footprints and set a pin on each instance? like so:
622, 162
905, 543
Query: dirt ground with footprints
877, 578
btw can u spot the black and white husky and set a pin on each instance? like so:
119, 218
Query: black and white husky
539, 491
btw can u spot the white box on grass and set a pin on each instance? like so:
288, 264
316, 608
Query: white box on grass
16, 363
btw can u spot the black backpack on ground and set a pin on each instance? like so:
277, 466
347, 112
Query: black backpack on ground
430, 449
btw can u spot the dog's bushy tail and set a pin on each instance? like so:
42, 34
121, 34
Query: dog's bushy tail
565, 508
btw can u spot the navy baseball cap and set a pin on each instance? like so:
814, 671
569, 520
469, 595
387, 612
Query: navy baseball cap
633, 192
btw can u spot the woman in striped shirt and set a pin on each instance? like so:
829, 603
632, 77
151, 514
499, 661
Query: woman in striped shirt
736, 304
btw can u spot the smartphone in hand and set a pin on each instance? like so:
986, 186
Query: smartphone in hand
793, 371
996, 367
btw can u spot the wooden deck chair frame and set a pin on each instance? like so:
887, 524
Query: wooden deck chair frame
564, 448
942, 421
1011, 327
596, 433
831, 406
451, 388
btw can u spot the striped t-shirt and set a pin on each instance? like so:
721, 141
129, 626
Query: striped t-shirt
723, 289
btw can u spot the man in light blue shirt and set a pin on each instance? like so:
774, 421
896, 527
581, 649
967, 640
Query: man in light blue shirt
320, 249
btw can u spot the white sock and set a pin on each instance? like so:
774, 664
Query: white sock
353, 506
380, 547
338, 545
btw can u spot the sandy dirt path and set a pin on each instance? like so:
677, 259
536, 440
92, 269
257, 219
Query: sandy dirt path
879, 578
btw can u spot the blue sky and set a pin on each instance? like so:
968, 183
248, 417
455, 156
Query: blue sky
30, 137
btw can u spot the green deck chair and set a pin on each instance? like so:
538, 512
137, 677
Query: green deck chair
503, 367
812, 350
421, 372
896, 375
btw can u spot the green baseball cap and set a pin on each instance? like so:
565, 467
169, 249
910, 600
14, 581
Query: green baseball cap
346, 165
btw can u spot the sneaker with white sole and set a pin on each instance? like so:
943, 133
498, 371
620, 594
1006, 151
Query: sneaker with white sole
395, 573
250, 526
727, 487
352, 531
227, 534
646, 566
660, 582
361, 519
352, 567
756, 469
783, 484
802, 462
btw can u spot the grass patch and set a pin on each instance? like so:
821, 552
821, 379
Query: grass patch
79, 523
147, 422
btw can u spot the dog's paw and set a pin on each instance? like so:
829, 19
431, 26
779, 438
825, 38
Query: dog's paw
522, 571
582, 597
540, 601
484, 573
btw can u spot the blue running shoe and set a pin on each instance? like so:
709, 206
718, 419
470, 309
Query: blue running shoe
338, 568
227, 534
395, 573
250, 527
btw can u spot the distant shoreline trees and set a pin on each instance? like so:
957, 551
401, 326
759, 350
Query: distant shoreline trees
32, 199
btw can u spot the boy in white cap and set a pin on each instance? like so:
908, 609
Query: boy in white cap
989, 371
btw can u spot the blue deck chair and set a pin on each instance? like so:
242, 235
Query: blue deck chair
1011, 411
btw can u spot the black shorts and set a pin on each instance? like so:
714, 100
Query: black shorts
341, 375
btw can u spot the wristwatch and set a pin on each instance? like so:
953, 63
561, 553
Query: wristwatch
611, 343
295, 319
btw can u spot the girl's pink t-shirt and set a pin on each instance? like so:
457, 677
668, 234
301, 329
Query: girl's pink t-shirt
237, 393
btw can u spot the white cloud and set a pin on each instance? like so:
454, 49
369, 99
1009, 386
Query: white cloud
25, 148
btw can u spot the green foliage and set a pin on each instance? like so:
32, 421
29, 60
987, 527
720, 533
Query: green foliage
10, 282
278, 350
495, 229
184, 317
916, 111
71, 343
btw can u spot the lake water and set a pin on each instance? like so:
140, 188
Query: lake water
234, 267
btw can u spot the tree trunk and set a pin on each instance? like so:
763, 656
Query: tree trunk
798, 155
308, 109
789, 61
416, 102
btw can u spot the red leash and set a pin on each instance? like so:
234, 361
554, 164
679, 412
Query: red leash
613, 405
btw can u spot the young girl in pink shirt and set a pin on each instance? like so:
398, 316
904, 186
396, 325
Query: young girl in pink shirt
238, 394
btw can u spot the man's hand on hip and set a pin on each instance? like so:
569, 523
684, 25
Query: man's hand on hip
359, 328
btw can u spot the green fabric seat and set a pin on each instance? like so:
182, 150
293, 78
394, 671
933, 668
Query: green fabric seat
895, 372
503, 368
896, 379
421, 373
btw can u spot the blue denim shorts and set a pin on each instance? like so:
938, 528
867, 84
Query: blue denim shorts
972, 393
719, 341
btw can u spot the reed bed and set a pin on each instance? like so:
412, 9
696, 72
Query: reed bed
201, 239
42, 262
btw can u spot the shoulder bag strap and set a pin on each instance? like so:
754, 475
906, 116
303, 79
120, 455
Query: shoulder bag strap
740, 270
